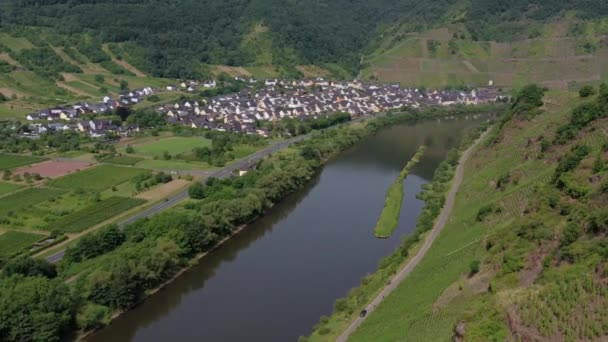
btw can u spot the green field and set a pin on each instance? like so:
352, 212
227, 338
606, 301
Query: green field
6, 188
170, 165
98, 178
173, 145
123, 160
11, 161
88, 217
13, 242
26, 199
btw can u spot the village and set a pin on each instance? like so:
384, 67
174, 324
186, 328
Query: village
241, 112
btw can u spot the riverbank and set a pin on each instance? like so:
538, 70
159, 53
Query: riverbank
428, 241
389, 217
346, 310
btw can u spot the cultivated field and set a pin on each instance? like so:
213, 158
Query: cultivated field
54, 168
12, 242
98, 178
173, 145
435, 60
123, 160
97, 213
6, 188
26, 199
11, 161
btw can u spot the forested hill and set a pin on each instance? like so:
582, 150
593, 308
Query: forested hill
173, 38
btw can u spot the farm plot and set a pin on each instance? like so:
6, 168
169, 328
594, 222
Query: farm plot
54, 168
27, 198
97, 178
174, 145
95, 214
6, 188
13, 242
123, 160
11, 161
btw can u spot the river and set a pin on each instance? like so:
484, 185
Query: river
275, 279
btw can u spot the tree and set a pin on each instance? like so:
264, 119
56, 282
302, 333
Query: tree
129, 149
99, 78
124, 86
309, 153
197, 191
123, 112
35, 309
586, 91
3, 98
29, 267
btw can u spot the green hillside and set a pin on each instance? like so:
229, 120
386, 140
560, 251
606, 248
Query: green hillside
554, 54
57, 51
524, 255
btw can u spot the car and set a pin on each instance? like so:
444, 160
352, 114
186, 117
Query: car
363, 313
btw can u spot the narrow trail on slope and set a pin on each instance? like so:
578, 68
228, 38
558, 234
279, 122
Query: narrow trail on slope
437, 228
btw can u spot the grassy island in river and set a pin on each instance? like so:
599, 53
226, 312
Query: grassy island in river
394, 198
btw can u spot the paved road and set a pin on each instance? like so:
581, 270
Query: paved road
409, 267
221, 173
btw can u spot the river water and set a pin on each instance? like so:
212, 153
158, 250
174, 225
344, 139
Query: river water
275, 279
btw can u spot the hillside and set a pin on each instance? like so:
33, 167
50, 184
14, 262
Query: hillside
524, 255
62, 51
561, 53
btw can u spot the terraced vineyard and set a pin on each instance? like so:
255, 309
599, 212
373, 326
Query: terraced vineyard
513, 204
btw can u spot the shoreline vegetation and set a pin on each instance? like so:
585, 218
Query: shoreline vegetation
389, 218
434, 194
112, 271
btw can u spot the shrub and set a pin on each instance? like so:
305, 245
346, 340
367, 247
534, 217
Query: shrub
474, 267
586, 91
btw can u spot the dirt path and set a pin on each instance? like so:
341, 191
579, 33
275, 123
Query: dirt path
409, 267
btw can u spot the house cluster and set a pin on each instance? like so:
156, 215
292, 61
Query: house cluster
268, 100
75, 117
309, 99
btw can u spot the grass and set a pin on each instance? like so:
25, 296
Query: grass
90, 216
389, 218
11, 161
15, 43
98, 178
124, 160
13, 242
159, 164
173, 145
6, 188
26, 199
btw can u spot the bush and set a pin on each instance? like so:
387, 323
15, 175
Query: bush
586, 91
474, 267
484, 211
29, 267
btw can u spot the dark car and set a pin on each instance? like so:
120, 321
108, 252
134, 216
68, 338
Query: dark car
363, 313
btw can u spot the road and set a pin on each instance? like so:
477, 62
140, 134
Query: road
221, 173
409, 266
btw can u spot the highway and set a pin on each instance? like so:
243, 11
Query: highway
221, 173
